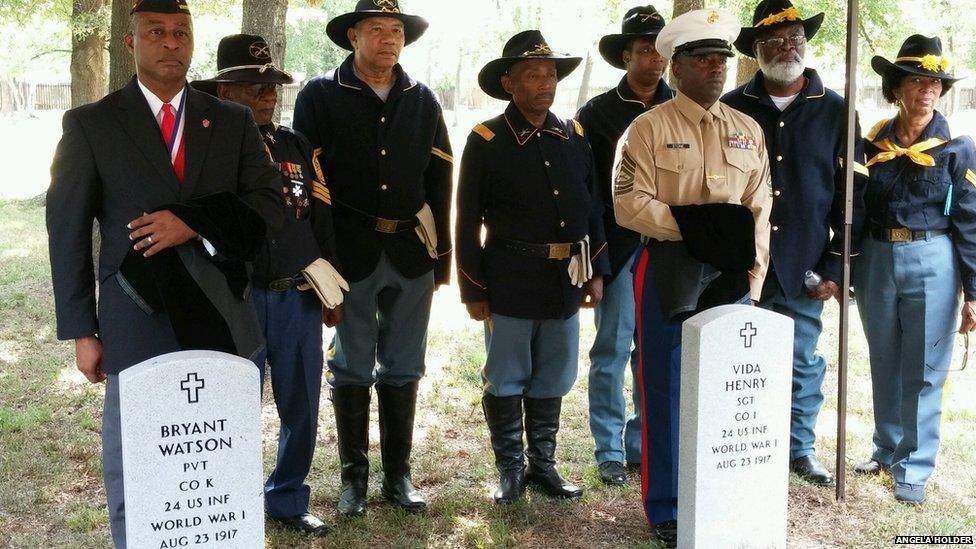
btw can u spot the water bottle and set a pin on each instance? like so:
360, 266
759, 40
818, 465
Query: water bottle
811, 280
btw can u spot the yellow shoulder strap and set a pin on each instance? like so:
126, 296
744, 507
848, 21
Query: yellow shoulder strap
579, 128
484, 132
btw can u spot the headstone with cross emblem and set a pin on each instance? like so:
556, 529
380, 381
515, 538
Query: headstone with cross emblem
191, 451
734, 428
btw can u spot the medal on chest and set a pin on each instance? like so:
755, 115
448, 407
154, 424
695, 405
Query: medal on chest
740, 140
293, 190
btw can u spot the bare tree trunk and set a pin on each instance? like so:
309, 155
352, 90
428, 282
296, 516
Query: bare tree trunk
584, 90
457, 88
266, 18
121, 65
89, 75
684, 6
746, 68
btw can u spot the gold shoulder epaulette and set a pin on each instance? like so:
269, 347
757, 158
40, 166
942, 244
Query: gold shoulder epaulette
579, 128
484, 132
877, 128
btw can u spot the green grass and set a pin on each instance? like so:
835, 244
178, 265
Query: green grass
50, 471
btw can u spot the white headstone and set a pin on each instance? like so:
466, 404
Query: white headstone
734, 428
191, 451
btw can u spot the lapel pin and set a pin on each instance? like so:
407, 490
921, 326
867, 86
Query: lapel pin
206, 123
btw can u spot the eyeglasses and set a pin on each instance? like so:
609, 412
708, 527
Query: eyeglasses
257, 90
950, 340
778, 42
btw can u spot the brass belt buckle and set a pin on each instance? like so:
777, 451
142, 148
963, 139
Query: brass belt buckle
901, 234
280, 285
387, 226
559, 251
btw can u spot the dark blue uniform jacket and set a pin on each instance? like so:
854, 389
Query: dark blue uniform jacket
604, 119
902, 193
532, 185
384, 159
806, 146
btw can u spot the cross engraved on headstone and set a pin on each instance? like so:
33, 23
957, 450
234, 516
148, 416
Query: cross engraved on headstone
192, 385
747, 333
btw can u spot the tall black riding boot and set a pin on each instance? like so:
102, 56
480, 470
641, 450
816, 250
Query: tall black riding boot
397, 408
351, 404
541, 426
504, 418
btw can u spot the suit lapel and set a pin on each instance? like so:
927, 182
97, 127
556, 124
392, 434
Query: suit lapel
197, 136
140, 124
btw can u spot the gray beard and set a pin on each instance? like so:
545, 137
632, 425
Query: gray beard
782, 73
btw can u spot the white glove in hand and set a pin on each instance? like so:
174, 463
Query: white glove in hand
328, 284
580, 267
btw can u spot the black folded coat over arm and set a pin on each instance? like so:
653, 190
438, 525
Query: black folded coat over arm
206, 298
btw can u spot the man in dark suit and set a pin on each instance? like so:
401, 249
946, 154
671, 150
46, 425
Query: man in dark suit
112, 165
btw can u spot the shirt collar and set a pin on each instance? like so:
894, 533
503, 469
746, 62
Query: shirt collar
693, 111
522, 130
346, 77
756, 88
155, 103
627, 95
938, 127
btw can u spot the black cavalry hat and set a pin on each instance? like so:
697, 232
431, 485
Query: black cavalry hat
160, 6
523, 46
639, 22
413, 25
770, 14
243, 58
919, 55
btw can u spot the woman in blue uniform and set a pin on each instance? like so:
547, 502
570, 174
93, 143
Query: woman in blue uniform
920, 247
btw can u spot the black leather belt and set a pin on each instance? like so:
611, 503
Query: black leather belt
281, 284
559, 250
902, 234
379, 224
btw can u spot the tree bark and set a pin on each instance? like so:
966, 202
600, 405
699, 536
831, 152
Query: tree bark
584, 90
684, 6
746, 68
266, 18
89, 77
121, 63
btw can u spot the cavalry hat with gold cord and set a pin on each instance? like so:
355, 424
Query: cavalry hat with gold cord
921, 56
160, 6
413, 25
523, 46
639, 22
243, 58
770, 14
699, 32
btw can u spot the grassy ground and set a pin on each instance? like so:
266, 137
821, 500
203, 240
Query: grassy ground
50, 486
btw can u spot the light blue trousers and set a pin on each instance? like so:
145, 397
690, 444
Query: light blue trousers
385, 322
532, 358
908, 299
616, 434
809, 366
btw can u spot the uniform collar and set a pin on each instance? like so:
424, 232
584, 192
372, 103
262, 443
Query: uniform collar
268, 132
346, 77
756, 88
938, 127
627, 95
155, 103
522, 130
693, 111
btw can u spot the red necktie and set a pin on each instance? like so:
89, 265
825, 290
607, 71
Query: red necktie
169, 121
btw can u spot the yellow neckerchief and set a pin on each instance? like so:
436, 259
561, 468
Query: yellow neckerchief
916, 153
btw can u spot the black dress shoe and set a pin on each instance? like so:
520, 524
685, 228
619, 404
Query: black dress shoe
613, 473
306, 522
667, 533
809, 468
870, 467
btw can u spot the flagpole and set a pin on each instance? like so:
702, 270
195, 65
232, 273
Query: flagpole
850, 95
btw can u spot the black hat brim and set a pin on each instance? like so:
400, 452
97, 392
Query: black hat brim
891, 71
612, 46
248, 76
747, 36
414, 26
490, 76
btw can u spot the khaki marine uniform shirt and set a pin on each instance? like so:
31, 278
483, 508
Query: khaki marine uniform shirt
680, 154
